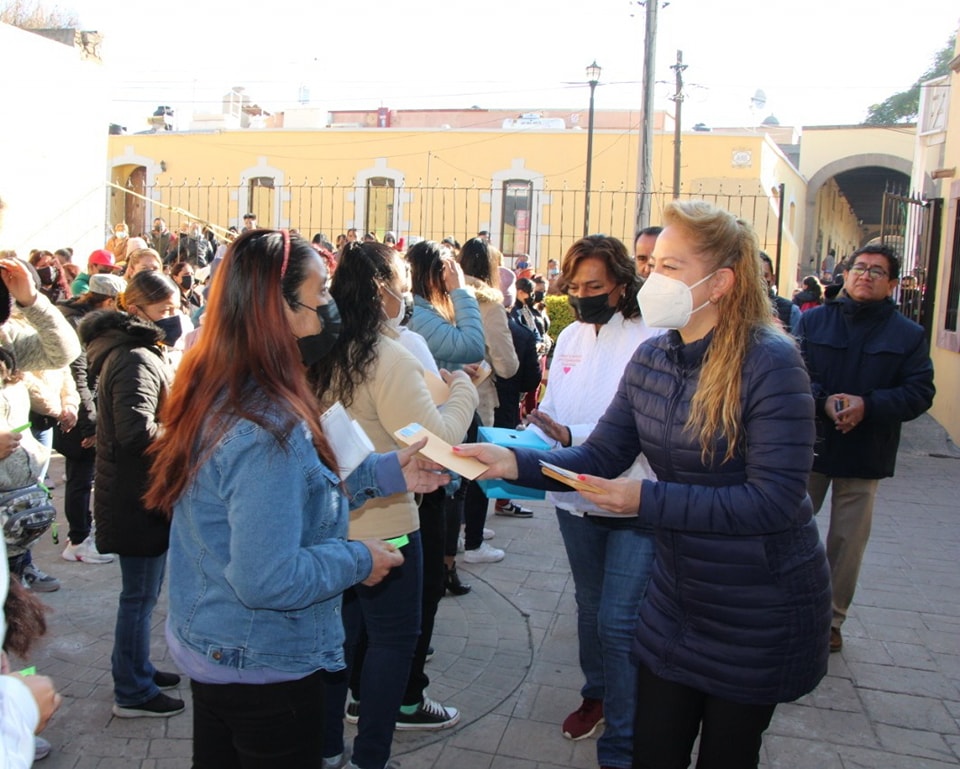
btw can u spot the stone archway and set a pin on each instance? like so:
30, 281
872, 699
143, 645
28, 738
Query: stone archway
849, 163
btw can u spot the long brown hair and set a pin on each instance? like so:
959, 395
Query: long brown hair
724, 241
245, 359
426, 276
26, 618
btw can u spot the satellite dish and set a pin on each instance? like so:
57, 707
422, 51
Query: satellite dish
759, 99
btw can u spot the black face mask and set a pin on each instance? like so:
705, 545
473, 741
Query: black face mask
48, 275
315, 347
407, 308
186, 281
593, 309
172, 329
538, 296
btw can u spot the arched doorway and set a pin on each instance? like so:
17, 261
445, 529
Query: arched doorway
844, 205
129, 208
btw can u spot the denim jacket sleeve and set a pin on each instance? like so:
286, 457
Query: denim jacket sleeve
287, 522
379, 475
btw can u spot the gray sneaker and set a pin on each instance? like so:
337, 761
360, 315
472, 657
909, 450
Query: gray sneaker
39, 581
41, 749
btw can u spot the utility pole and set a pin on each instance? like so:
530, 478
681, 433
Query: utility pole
677, 97
593, 77
645, 156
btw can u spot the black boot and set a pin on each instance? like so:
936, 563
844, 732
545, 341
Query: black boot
452, 583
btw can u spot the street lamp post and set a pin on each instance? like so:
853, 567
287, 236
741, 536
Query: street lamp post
593, 77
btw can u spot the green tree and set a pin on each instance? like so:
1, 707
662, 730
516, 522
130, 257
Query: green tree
34, 15
903, 107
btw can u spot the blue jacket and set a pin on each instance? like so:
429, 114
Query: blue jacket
871, 350
452, 344
738, 604
258, 555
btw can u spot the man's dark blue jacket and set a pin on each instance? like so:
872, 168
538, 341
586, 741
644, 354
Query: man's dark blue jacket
871, 350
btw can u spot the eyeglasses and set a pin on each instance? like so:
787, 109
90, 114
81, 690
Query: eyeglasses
874, 272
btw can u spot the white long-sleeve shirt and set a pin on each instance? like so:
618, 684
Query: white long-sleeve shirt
584, 376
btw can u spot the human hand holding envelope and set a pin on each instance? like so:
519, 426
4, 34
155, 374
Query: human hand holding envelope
439, 451
569, 478
478, 372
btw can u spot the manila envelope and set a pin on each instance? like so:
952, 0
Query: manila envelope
439, 451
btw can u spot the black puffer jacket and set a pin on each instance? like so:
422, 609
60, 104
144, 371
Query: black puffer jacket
132, 376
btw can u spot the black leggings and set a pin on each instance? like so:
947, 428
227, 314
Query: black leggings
467, 506
258, 726
669, 715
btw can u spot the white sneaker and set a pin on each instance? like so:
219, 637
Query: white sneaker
85, 552
484, 554
489, 533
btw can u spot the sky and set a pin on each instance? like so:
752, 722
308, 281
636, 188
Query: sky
819, 62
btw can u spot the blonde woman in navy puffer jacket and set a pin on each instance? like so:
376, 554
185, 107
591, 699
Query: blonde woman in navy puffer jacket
737, 612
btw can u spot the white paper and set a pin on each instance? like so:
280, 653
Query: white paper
350, 444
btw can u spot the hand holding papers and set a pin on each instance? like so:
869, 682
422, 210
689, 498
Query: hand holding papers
568, 477
439, 451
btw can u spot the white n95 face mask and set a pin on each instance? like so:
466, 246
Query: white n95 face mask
668, 302
396, 321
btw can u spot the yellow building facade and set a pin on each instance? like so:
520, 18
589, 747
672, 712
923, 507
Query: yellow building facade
525, 188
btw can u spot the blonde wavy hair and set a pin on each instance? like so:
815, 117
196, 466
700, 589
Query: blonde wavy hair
722, 240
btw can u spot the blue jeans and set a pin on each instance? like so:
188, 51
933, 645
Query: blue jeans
132, 670
610, 562
390, 614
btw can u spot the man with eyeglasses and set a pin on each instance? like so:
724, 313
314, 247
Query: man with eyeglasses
870, 371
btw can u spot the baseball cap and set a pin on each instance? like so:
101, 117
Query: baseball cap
108, 285
101, 256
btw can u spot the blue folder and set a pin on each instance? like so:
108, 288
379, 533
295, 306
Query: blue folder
502, 436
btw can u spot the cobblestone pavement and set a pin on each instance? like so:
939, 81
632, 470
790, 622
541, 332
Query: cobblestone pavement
506, 654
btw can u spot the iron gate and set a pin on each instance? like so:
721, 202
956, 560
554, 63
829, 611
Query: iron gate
910, 225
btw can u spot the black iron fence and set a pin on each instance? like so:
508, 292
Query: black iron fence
523, 217
911, 225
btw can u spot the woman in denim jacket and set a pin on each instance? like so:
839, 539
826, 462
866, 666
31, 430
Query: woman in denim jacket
258, 556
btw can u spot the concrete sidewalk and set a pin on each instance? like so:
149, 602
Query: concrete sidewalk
507, 652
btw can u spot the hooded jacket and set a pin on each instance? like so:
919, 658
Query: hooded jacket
132, 374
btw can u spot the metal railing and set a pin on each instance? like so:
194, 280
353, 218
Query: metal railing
910, 224
551, 219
